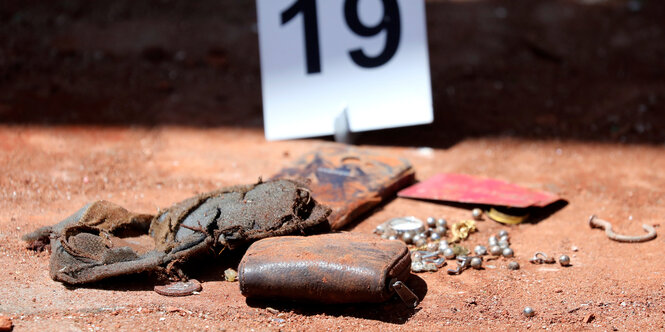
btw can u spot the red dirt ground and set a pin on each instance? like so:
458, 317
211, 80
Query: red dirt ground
98, 102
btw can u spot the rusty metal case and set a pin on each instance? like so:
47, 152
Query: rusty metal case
349, 180
328, 268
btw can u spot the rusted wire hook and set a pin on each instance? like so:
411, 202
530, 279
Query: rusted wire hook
596, 222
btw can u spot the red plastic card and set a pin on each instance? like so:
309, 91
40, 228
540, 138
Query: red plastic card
464, 188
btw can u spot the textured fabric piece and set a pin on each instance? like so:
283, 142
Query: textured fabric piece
328, 268
87, 246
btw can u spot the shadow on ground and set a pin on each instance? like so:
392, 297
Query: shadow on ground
393, 311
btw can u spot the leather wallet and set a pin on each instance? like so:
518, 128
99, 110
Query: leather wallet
328, 268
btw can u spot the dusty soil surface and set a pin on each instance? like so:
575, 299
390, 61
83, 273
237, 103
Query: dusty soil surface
147, 103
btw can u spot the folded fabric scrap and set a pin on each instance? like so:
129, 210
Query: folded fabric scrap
103, 240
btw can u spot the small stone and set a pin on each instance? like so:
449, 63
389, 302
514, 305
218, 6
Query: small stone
477, 214
230, 275
495, 250
513, 266
589, 317
528, 311
6, 323
507, 252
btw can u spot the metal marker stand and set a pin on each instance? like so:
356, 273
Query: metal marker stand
342, 132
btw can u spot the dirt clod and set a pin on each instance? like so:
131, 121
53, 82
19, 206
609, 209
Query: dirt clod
6, 324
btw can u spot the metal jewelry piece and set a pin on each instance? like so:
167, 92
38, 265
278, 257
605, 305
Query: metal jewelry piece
439, 262
449, 253
596, 222
507, 252
564, 260
462, 264
495, 250
401, 225
480, 250
505, 218
528, 311
477, 214
543, 259
461, 229
476, 263
431, 222
407, 237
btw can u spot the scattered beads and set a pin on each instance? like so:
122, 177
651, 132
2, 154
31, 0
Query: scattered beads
513, 266
528, 311
564, 260
477, 214
495, 250
480, 250
476, 263
448, 253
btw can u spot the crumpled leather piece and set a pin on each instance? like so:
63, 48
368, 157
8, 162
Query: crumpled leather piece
350, 180
102, 239
327, 268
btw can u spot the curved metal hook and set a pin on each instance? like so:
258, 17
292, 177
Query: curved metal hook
596, 222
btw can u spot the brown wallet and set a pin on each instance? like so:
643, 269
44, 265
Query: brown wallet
328, 268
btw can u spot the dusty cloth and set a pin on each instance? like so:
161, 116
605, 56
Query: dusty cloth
99, 240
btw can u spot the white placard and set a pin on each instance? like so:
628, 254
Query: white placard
319, 58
